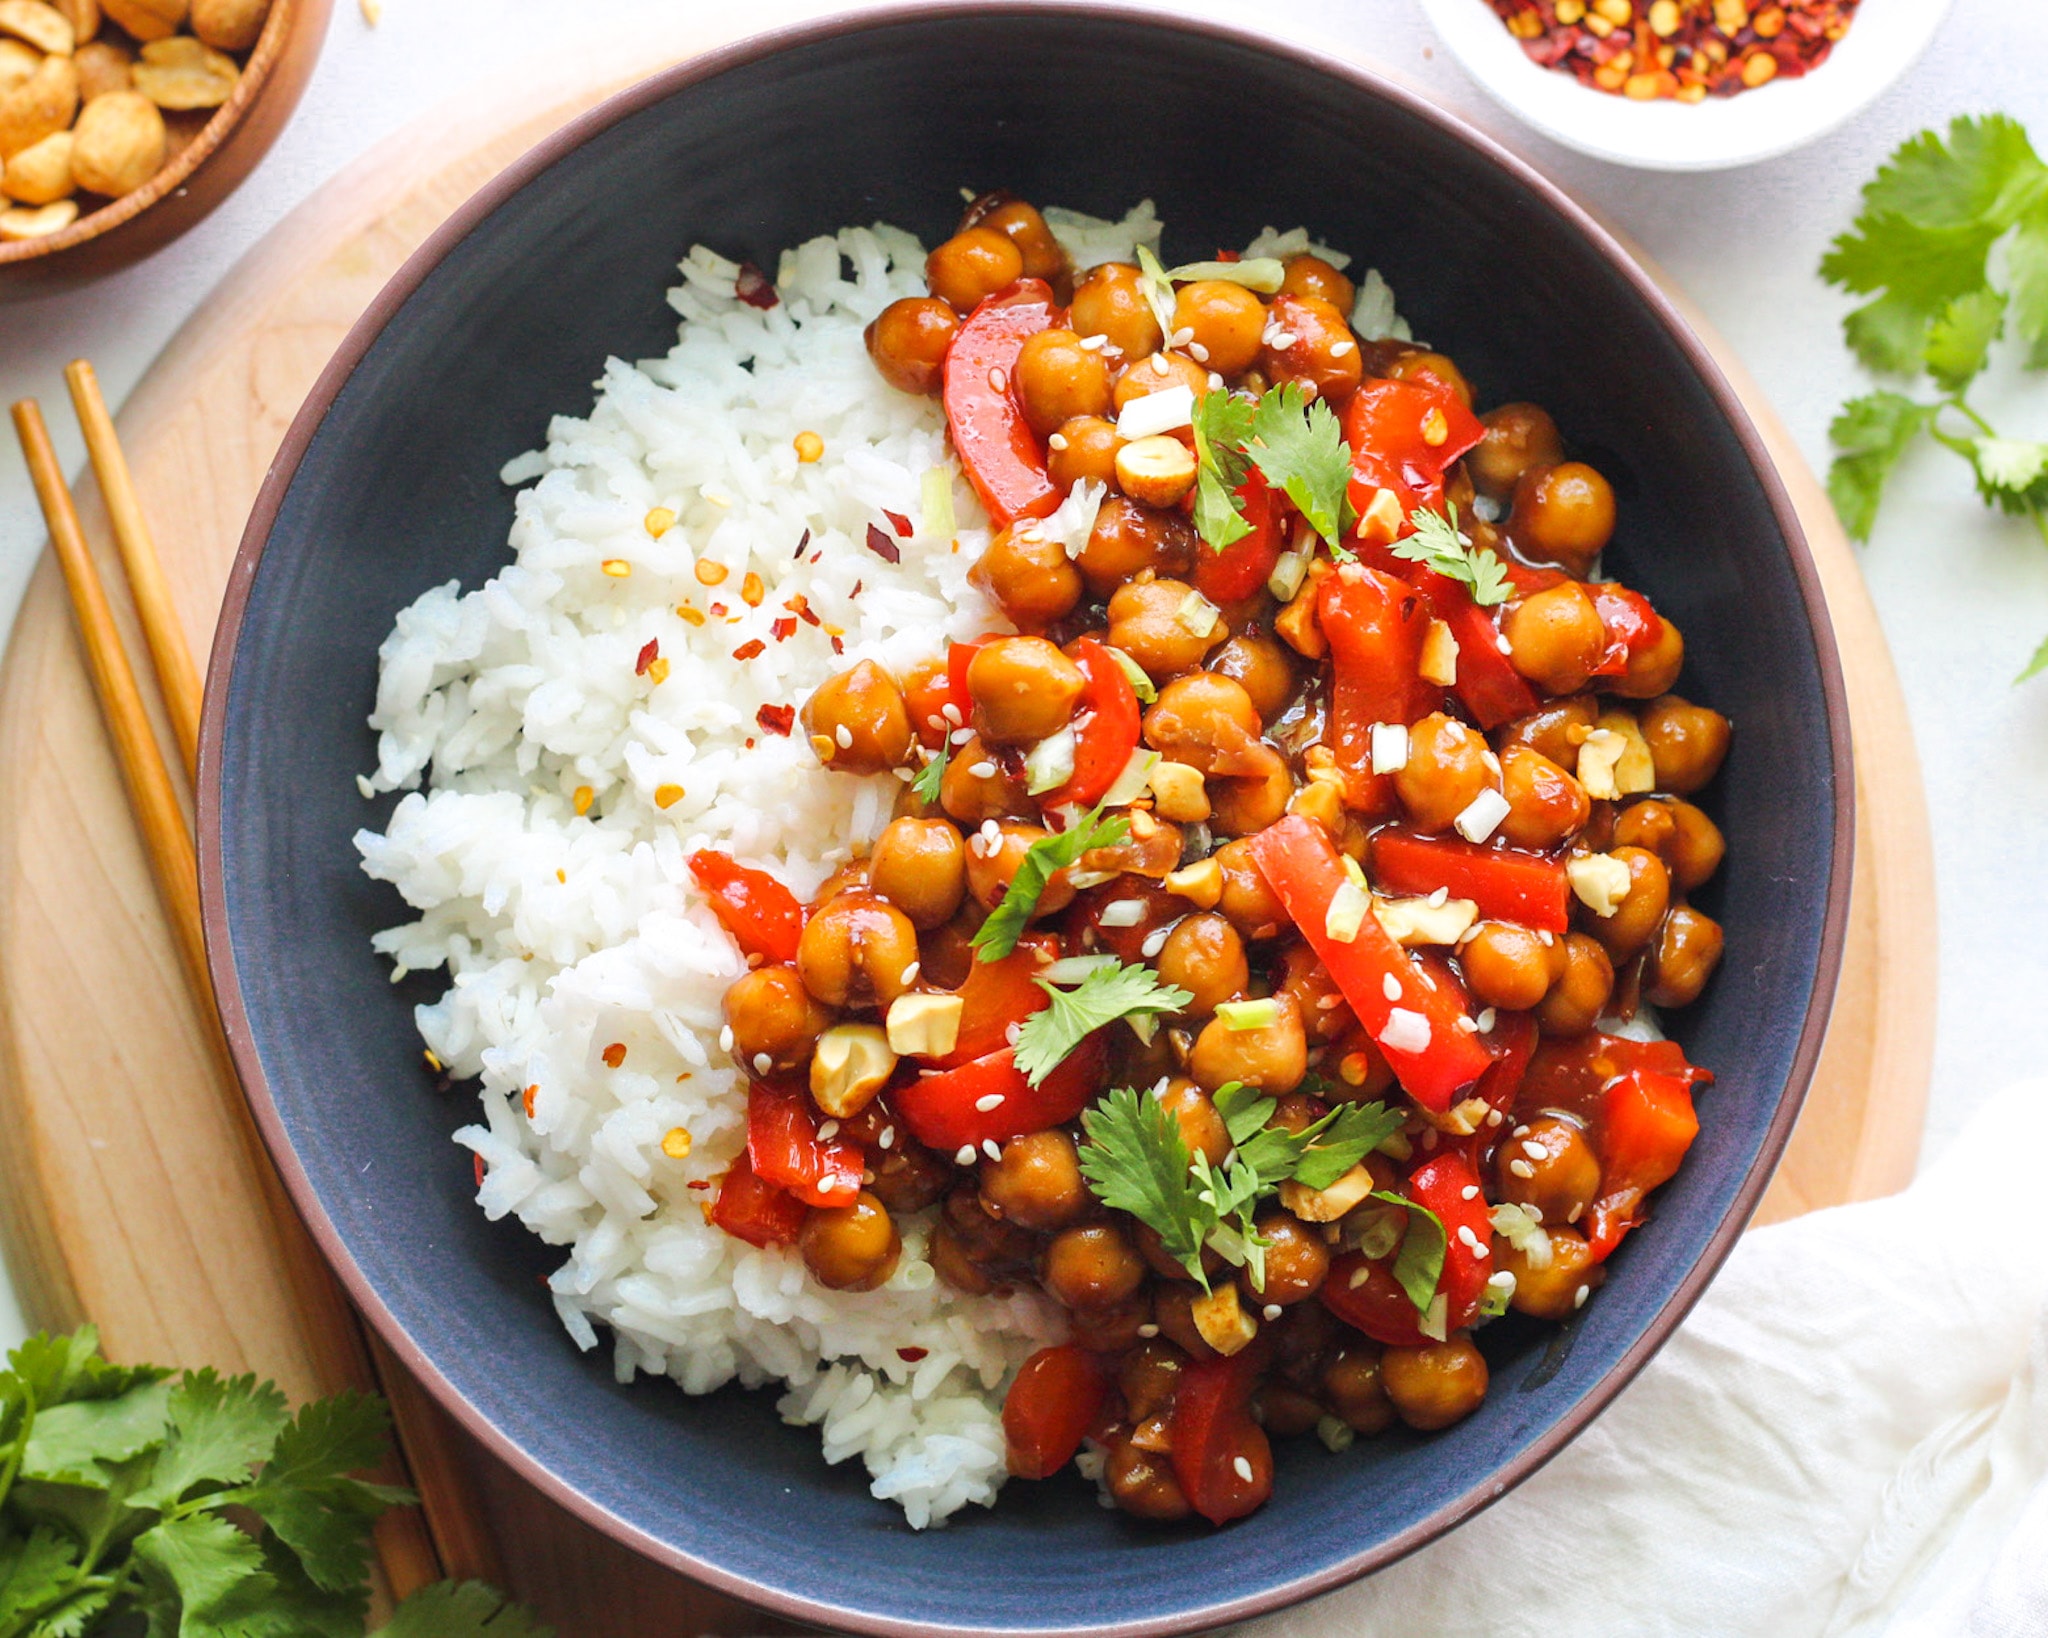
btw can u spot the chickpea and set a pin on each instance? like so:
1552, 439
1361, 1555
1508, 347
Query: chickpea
857, 720
1553, 1292
970, 796
1517, 437
1354, 1391
1433, 365
920, 866
1284, 1412
1022, 225
1555, 637
1687, 743
1433, 1386
1226, 320
773, 1015
1248, 900
1128, 539
1147, 620
1297, 1262
1201, 1127
1545, 804
1320, 352
1323, 1011
854, 951
1563, 514
1173, 1313
955, 1264
1110, 301
1509, 966
990, 870
1114, 1329
1243, 805
1153, 1250
1549, 1166
990, 1240
908, 1176
1058, 378
1037, 1184
1093, 1265
1582, 990
1083, 450
1307, 275
1205, 720
1025, 570
1635, 920
1148, 1377
908, 341
1272, 1058
972, 266
851, 877
1204, 956
1142, 1482
1155, 373
850, 1248
1023, 689
1263, 666
1687, 950
1654, 669
1689, 843
1557, 728
1446, 769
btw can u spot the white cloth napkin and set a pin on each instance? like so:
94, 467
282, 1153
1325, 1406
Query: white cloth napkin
1848, 1437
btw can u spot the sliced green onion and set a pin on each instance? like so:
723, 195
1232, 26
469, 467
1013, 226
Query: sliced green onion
1260, 273
1134, 781
937, 497
1196, 614
1349, 906
1288, 574
1134, 673
1243, 1015
1072, 969
1050, 763
1523, 1230
1337, 1436
1158, 291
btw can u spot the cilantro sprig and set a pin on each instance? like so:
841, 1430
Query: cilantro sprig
1298, 447
932, 776
1107, 993
1042, 860
1922, 250
1436, 542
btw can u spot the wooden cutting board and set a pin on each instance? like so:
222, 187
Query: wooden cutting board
124, 1194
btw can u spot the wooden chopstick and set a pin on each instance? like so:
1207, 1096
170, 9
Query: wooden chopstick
447, 1535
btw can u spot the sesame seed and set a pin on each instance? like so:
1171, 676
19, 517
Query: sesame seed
1057, 441
1545, 937
1159, 364
951, 713
1487, 1020
1521, 1168
725, 1039
1494, 1117
827, 1131
1469, 1192
1215, 382
1155, 941
991, 1148
992, 1100
1182, 336
1242, 1468
1466, 1026
1271, 1311
1012, 1032
843, 736
1579, 1296
1343, 349
888, 1138
960, 736
1535, 1212
1439, 898
983, 770
1198, 352
1534, 1150
1148, 1330
910, 974
964, 1155
763, 1063
999, 379
1358, 1277
1092, 344
1281, 340
1390, 987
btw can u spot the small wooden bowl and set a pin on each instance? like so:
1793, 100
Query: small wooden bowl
198, 175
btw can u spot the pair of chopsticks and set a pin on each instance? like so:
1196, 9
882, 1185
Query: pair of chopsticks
446, 1535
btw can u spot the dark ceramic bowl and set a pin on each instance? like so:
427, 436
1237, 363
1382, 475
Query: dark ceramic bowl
388, 484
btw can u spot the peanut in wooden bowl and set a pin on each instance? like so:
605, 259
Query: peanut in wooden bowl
198, 175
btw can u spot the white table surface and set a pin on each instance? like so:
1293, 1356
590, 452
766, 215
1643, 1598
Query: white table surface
1963, 594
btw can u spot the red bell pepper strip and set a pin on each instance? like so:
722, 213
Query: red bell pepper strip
1298, 858
1375, 625
1105, 727
999, 994
996, 446
1506, 883
1513, 1044
942, 1110
1242, 568
959, 656
1212, 1430
1488, 685
762, 915
1571, 1074
1366, 1296
1387, 424
1647, 1123
1052, 1405
1439, 1183
756, 1212
785, 1150
1632, 626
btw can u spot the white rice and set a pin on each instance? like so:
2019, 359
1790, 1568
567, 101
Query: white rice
563, 934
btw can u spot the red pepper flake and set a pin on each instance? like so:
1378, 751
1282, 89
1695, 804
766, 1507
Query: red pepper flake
784, 629
1678, 50
614, 1055
479, 1159
648, 655
838, 645
901, 523
802, 606
776, 719
718, 611
800, 545
698, 1183
752, 649
754, 287
910, 1356
1230, 255
856, 588
882, 546
528, 1100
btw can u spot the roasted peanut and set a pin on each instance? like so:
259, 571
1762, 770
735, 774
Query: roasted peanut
119, 144
41, 173
102, 67
23, 223
146, 19
17, 63
43, 26
83, 16
229, 25
183, 73
40, 106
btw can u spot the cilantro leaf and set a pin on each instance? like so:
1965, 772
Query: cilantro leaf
34, 1569
306, 1497
1244, 1109
1222, 422
204, 1559
77, 1615
1419, 1264
2012, 473
58, 1369
462, 1609
1135, 1160
2035, 666
1870, 433
69, 1443
220, 1428
1959, 342
1042, 860
932, 775
1297, 443
2026, 271
1985, 171
1436, 542
1105, 995
1353, 1132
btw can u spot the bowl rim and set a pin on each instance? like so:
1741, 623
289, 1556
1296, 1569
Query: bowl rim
213, 887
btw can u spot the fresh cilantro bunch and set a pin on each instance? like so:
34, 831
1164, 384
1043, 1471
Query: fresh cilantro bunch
1923, 250
134, 1503
1295, 442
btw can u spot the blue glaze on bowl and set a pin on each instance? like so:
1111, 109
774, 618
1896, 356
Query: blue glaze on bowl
388, 485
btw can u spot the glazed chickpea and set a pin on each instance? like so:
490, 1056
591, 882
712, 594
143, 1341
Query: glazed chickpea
1559, 1289
773, 1016
1545, 804
1248, 900
1142, 1482
1557, 728
1687, 743
1083, 450
1582, 990
1201, 1127
1272, 1058
1297, 1262
1320, 351
1110, 301
1091, 1266
1205, 720
1555, 637
1687, 950
1446, 769
920, 866
850, 1248
1037, 1184
1652, 670
1111, 1330
990, 869
857, 720
955, 1264
1509, 966
854, 951
1635, 920
1226, 320
1414, 366
976, 786
1517, 437
1263, 666
1027, 572
971, 266
1354, 1391
1563, 514
1058, 379
1549, 1166
1306, 275
1155, 373
1433, 1386
1023, 689
1128, 539
1022, 225
908, 1176
1204, 956
1163, 626
1244, 804
1323, 1011
908, 341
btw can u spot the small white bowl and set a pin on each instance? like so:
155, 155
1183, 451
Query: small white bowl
1883, 41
